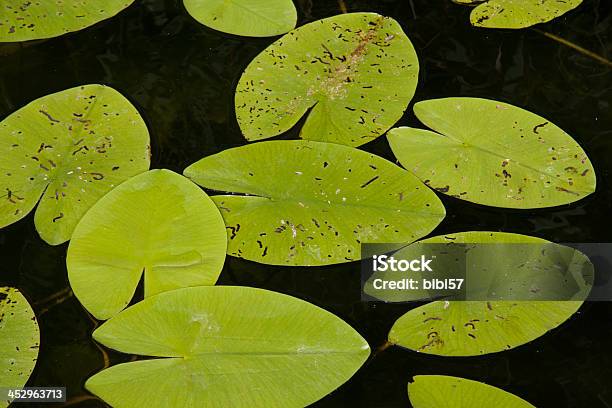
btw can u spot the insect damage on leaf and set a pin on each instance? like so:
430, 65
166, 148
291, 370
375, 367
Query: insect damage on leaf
67, 150
353, 75
312, 203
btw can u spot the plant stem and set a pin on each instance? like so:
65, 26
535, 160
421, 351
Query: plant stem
342, 5
382, 348
54, 300
54, 296
413, 9
576, 47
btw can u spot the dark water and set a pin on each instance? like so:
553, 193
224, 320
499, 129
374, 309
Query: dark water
181, 76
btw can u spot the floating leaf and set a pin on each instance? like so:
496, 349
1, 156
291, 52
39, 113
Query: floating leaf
19, 340
468, 328
157, 222
313, 203
31, 20
228, 347
252, 18
492, 153
70, 148
517, 14
440, 391
356, 73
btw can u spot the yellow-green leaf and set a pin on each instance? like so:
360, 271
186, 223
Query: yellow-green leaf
492, 153
157, 222
70, 148
19, 340
252, 18
469, 328
519, 14
226, 347
311, 203
440, 391
354, 74
22, 20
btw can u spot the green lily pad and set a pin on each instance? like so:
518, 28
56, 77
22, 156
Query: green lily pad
468, 328
311, 203
354, 74
70, 148
22, 20
252, 18
517, 14
440, 391
19, 340
157, 222
226, 346
492, 153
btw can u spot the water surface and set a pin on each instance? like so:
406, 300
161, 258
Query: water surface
181, 76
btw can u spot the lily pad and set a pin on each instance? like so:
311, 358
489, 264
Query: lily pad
492, 153
226, 346
469, 328
31, 20
70, 148
517, 14
157, 223
19, 340
311, 203
252, 18
440, 391
352, 74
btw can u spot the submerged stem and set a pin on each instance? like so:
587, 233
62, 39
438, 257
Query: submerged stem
382, 348
54, 296
576, 47
54, 300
